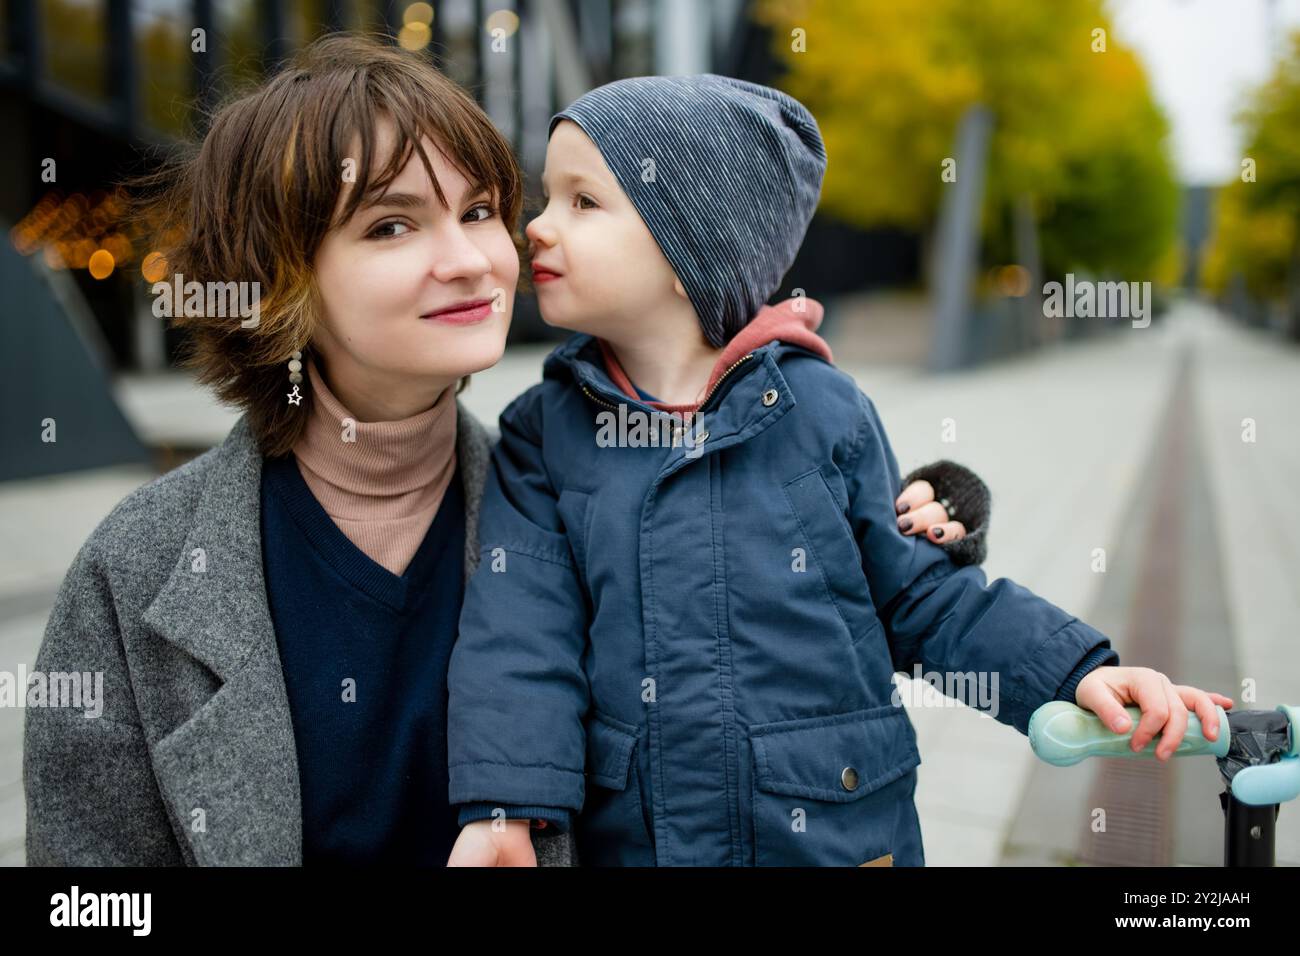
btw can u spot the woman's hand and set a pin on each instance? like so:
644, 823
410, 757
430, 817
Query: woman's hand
480, 844
1107, 689
919, 513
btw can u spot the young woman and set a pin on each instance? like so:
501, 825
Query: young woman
273, 620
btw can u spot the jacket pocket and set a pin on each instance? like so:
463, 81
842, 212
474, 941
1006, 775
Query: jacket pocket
572, 506
613, 828
834, 791
833, 549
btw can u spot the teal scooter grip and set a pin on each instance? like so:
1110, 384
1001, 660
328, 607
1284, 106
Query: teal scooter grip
1062, 734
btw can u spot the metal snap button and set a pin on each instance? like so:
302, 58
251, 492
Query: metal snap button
701, 436
849, 778
770, 397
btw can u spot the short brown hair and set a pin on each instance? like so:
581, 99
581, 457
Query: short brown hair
253, 201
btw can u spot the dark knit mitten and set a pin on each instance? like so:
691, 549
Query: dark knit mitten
553, 848
971, 504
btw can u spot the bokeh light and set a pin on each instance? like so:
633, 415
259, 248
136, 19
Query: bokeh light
505, 20
101, 264
418, 13
414, 36
154, 267
1013, 280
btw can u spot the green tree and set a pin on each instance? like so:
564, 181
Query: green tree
1257, 215
1075, 128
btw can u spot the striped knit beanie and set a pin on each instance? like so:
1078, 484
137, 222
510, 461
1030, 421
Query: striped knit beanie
725, 173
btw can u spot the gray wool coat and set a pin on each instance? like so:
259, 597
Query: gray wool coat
193, 759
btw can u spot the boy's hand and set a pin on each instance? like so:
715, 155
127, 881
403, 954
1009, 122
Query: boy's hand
480, 845
1106, 690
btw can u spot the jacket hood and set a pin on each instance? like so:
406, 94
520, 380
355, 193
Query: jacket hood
793, 321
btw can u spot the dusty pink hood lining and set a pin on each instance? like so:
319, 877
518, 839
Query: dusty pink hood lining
781, 322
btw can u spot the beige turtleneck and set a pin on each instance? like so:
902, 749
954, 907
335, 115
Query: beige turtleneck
383, 489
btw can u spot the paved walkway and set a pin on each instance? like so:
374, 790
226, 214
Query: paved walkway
1060, 438
1064, 437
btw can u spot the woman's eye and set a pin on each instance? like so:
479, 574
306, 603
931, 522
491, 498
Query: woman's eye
486, 208
377, 232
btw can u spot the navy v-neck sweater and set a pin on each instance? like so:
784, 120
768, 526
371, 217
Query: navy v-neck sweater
365, 657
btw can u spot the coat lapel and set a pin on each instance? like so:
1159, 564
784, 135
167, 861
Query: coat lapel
473, 452
230, 771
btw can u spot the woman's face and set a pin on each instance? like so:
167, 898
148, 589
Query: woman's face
388, 276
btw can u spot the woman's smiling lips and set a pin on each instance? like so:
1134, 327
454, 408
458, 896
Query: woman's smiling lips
462, 313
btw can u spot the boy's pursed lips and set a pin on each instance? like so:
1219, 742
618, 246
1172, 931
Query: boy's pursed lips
543, 273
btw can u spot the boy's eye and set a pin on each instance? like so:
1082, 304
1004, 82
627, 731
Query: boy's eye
378, 233
584, 198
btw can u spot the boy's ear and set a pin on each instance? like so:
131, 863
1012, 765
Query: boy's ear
680, 289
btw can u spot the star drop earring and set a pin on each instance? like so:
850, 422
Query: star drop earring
295, 377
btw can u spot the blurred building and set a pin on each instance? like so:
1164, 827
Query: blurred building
95, 91
98, 86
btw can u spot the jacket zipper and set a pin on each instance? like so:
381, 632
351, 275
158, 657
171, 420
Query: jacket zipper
730, 369
598, 401
734, 365
721, 378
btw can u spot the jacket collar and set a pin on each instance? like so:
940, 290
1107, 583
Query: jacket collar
235, 758
738, 409
794, 321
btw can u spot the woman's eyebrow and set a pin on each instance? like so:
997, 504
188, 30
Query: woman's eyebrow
412, 201
397, 201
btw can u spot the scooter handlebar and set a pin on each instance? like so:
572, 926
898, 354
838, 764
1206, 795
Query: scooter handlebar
1062, 734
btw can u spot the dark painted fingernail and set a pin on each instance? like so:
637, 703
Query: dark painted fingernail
903, 508
938, 532
905, 524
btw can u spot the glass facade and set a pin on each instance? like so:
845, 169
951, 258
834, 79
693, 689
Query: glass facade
75, 37
240, 40
165, 51
304, 21
460, 32
171, 70
633, 38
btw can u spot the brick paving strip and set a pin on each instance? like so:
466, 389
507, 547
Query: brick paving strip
1166, 610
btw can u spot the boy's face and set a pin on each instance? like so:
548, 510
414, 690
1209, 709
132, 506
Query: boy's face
596, 267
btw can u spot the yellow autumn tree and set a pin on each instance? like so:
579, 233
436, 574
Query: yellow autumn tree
1257, 215
1075, 128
